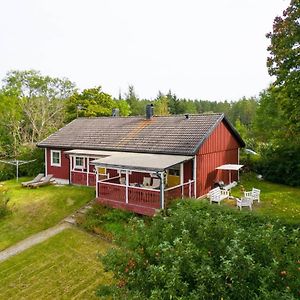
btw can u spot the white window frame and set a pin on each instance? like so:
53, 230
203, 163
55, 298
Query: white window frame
79, 166
55, 164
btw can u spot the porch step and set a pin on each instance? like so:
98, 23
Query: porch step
142, 210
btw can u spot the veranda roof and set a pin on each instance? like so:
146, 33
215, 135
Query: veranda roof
90, 153
140, 161
230, 167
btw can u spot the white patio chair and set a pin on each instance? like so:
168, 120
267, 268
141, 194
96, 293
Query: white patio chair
155, 184
123, 180
244, 202
217, 195
147, 181
254, 194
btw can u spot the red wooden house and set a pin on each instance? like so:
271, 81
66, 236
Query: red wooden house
139, 163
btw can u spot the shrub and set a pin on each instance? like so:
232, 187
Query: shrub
31, 169
4, 199
281, 164
205, 252
105, 221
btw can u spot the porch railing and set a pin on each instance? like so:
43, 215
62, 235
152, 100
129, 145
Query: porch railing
112, 191
145, 197
180, 191
108, 190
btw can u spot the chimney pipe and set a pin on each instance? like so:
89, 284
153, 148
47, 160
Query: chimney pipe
115, 112
149, 111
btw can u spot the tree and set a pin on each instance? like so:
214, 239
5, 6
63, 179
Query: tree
133, 101
284, 63
12, 131
31, 84
123, 107
161, 105
244, 110
32, 105
199, 251
89, 103
269, 122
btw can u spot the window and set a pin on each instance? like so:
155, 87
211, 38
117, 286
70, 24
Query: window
79, 162
175, 170
102, 171
55, 158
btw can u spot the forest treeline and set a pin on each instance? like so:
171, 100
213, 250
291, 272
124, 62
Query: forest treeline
33, 105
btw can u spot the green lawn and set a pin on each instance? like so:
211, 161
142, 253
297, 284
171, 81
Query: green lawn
36, 209
64, 267
277, 201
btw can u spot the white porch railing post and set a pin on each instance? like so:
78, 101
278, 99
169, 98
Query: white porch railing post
70, 172
182, 189
46, 162
97, 181
190, 189
127, 183
87, 170
162, 190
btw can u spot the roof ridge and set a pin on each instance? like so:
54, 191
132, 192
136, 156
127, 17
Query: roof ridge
155, 116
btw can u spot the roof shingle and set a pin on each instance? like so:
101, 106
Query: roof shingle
166, 135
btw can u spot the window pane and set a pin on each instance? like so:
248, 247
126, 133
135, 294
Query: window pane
79, 161
55, 157
102, 171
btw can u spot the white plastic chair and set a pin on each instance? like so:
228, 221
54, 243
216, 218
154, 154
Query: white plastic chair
244, 202
156, 183
254, 194
123, 180
217, 195
147, 181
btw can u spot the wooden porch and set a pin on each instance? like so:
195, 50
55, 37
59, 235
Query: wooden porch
140, 199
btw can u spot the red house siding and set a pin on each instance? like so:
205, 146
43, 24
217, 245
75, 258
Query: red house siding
220, 148
61, 172
188, 171
81, 177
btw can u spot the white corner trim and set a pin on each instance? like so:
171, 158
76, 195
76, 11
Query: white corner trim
46, 162
195, 176
55, 164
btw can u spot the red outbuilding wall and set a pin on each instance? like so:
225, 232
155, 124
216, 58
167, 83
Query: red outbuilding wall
61, 172
220, 148
188, 171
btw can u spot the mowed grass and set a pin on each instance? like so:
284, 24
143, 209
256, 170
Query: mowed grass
64, 267
277, 201
34, 210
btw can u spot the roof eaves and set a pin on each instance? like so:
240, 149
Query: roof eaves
39, 145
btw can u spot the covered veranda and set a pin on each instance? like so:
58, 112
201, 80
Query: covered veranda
144, 182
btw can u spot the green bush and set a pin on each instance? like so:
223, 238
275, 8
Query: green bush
281, 164
200, 251
251, 162
105, 221
31, 169
4, 199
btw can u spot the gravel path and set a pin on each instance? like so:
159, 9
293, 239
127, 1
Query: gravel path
32, 240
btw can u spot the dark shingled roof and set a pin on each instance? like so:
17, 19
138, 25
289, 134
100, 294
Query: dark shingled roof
166, 135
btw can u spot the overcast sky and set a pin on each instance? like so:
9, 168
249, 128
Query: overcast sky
202, 49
